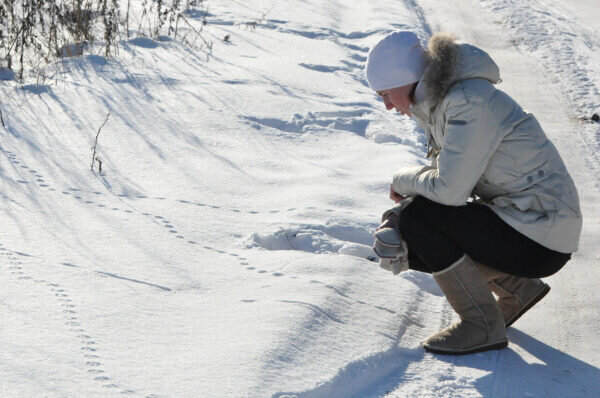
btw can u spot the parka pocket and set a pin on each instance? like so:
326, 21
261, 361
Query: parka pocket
526, 217
527, 180
521, 200
526, 208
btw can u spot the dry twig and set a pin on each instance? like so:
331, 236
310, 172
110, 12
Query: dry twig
95, 144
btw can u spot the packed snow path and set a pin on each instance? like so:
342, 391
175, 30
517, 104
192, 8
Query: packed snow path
222, 251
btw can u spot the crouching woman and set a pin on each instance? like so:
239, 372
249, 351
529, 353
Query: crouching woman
523, 221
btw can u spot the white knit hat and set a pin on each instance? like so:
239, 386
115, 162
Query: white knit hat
395, 61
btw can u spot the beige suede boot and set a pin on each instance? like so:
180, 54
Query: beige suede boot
516, 295
481, 325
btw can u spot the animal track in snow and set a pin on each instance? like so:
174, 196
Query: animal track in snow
102, 200
337, 290
83, 196
69, 312
320, 239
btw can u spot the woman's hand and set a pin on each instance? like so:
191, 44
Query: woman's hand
396, 197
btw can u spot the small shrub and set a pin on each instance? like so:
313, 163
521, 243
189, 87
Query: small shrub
38, 32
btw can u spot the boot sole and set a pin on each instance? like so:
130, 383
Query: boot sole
472, 350
534, 300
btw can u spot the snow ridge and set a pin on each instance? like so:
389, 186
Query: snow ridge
366, 377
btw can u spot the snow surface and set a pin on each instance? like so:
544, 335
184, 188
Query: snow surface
222, 251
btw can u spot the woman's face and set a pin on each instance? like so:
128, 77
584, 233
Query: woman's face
397, 98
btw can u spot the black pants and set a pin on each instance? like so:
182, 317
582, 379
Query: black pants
438, 235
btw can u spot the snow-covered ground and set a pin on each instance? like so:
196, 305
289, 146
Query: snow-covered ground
222, 251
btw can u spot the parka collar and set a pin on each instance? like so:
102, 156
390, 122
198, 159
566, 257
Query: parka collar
422, 112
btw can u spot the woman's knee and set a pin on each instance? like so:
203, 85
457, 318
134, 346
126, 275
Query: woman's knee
414, 213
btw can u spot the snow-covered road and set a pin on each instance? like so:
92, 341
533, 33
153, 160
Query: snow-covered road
222, 252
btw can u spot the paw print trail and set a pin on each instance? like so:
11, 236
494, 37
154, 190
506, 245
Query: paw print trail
89, 350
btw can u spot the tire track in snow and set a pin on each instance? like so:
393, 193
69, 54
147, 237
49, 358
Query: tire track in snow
568, 50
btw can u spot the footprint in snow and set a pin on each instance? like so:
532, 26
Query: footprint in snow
353, 122
336, 238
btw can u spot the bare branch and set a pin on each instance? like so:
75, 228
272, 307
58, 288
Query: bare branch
96, 143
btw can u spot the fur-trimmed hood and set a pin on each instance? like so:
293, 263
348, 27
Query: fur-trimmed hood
449, 62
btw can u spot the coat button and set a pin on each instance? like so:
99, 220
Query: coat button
530, 179
541, 173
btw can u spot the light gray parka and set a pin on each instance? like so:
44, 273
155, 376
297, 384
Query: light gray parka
483, 143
